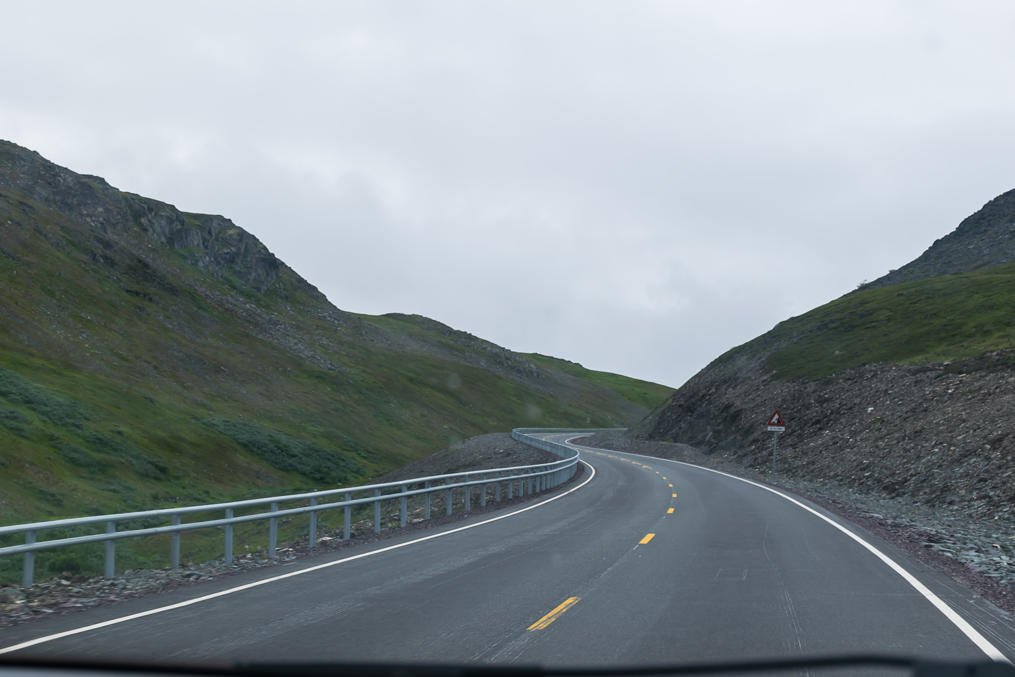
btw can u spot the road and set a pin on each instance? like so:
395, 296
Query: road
648, 561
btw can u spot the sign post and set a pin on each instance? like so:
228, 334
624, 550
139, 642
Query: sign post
775, 426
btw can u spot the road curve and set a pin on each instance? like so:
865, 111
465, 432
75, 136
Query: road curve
650, 561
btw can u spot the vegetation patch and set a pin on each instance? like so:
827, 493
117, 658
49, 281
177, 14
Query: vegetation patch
124, 451
14, 420
77, 456
289, 453
46, 403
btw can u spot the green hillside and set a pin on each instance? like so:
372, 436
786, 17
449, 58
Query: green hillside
643, 393
942, 318
151, 357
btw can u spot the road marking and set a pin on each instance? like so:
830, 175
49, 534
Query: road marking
670, 511
665, 477
674, 495
648, 537
670, 486
971, 633
555, 614
291, 574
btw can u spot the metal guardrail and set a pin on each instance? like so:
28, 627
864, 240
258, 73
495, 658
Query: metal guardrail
515, 481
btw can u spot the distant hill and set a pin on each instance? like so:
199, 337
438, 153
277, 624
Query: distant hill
903, 386
642, 393
150, 357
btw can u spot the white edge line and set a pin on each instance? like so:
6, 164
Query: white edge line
982, 643
273, 579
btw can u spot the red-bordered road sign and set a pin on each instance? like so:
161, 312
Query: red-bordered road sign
776, 424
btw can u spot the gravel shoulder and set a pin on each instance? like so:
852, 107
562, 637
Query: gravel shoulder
979, 553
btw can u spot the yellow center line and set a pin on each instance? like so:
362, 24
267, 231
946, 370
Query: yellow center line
555, 614
670, 486
674, 495
665, 477
670, 511
648, 537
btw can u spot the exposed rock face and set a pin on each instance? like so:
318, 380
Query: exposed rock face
213, 243
986, 238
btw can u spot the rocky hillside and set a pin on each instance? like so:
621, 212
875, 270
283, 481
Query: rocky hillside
987, 238
150, 356
904, 388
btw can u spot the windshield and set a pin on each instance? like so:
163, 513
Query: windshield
598, 335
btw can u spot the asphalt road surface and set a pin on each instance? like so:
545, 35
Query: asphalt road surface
649, 561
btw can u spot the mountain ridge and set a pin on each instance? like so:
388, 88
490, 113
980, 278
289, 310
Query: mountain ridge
983, 239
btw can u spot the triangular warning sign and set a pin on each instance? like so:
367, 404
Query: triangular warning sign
777, 420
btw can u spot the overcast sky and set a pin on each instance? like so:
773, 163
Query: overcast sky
636, 186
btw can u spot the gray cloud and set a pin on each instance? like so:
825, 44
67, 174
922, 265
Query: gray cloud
635, 186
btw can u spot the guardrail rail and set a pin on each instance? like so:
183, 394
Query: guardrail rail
512, 481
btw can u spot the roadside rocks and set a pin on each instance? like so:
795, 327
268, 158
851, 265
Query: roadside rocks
67, 592
940, 433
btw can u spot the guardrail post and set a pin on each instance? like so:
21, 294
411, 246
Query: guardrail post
312, 536
482, 495
426, 501
28, 572
110, 552
449, 499
468, 495
511, 489
174, 545
403, 508
496, 491
347, 532
377, 512
229, 538
272, 533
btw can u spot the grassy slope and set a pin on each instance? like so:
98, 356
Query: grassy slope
132, 377
132, 381
643, 393
944, 318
